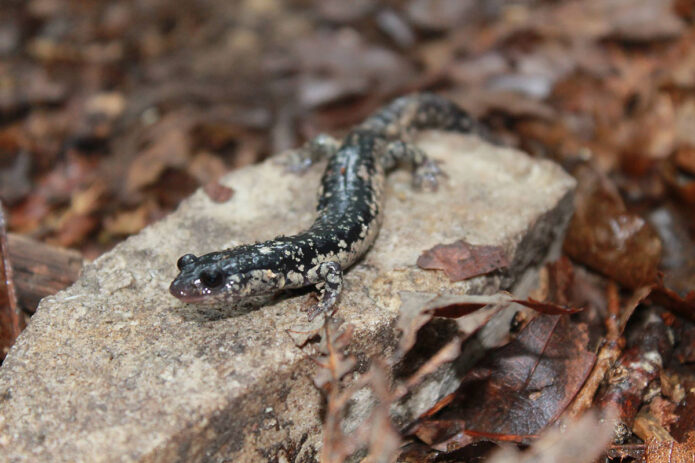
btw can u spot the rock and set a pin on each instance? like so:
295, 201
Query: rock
115, 369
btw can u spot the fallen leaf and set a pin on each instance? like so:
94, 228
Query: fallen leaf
25, 86
338, 65
685, 348
653, 133
14, 178
686, 418
446, 354
73, 230
413, 314
129, 222
608, 238
678, 261
555, 289
206, 167
685, 9
685, 159
344, 12
107, 104
682, 183
395, 27
438, 15
514, 104
671, 451
548, 308
683, 306
87, 200
582, 441
663, 411
217, 192
419, 308
519, 389
630, 20
461, 260
638, 296
680, 60
170, 150
417, 452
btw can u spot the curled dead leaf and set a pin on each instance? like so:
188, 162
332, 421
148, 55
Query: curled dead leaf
605, 236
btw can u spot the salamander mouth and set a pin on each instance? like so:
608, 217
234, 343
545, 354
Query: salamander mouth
182, 291
185, 291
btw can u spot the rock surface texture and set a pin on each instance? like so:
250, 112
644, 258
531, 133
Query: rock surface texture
115, 369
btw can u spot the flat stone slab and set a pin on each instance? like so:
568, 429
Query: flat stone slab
115, 369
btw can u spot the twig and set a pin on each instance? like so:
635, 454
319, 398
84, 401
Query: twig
11, 320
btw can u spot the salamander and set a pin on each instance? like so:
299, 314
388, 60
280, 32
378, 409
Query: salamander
350, 210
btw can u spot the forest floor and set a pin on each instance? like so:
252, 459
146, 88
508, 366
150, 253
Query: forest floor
112, 112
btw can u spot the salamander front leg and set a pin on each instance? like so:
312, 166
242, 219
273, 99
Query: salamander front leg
320, 147
425, 170
330, 284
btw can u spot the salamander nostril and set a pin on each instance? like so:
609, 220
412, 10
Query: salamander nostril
211, 278
185, 261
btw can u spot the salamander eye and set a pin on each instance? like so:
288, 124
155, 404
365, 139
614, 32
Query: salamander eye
185, 261
211, 278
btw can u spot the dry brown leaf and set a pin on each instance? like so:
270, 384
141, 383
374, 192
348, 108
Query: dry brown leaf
170, 150
516, 390
685, 159
671, 451
337, 65
461, 260
217, 192
648, 428
107, 104
583, 441
686, 418
129, 222
608, 238
630, 20
419, 308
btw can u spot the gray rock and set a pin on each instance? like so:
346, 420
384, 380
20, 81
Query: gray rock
115, 369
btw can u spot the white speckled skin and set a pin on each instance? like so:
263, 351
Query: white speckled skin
349, 212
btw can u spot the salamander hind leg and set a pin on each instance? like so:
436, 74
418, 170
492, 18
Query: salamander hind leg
330, 284
426, 171
320, 147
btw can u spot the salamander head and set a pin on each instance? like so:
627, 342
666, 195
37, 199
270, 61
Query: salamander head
201, 280
221, 276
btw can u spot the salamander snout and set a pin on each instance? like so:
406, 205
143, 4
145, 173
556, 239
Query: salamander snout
200, 279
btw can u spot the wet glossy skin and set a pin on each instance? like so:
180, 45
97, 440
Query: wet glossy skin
349, 211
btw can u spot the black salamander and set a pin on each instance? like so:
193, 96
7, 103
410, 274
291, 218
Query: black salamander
349, 210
